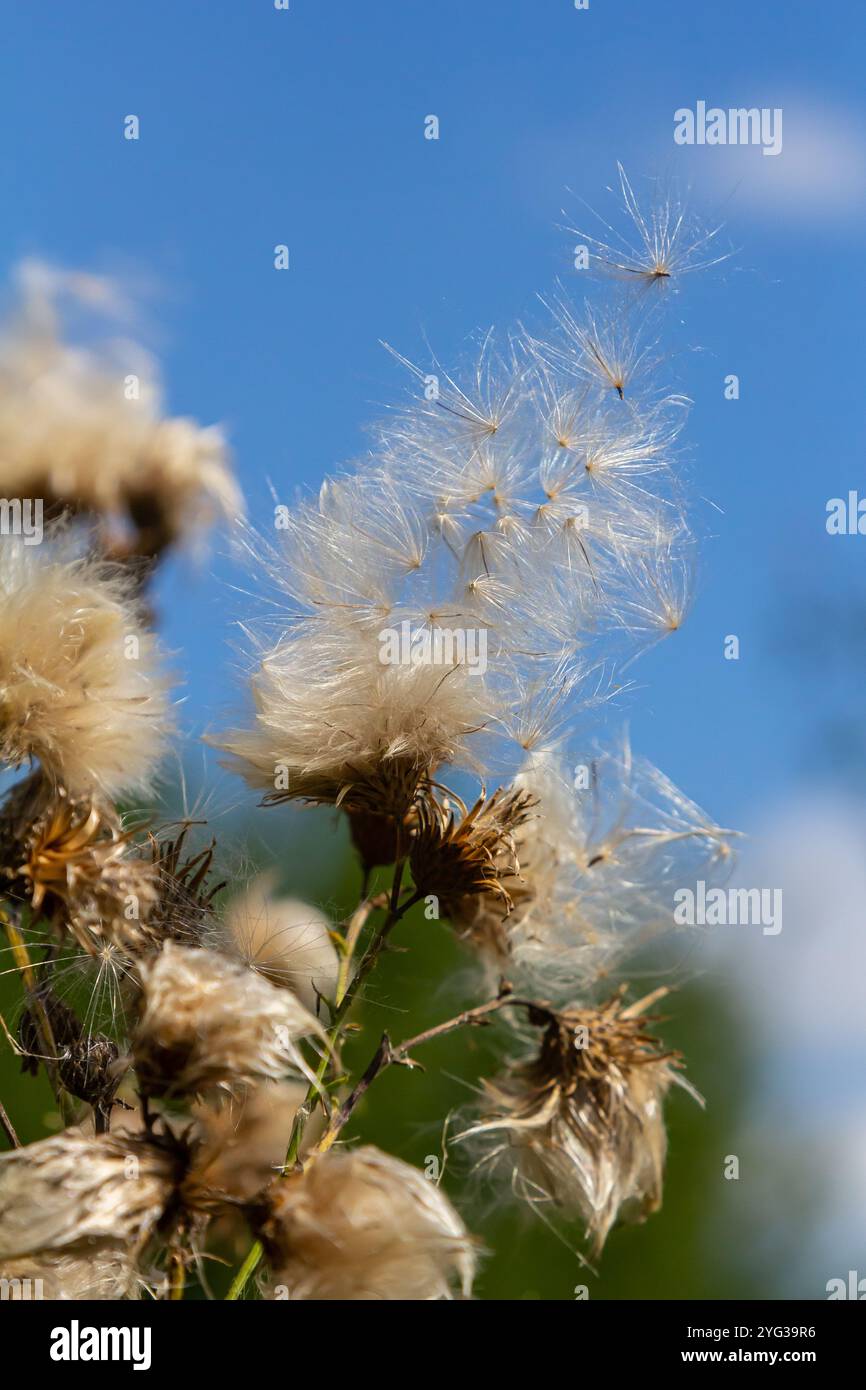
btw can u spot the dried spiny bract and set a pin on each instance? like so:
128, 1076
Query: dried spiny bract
84, 431
286, 941
457, 853
183, 910
580, 1124
208, 1021
72, 1192
362, 1225
73, 861
80, 685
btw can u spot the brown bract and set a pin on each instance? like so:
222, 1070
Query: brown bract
458, 853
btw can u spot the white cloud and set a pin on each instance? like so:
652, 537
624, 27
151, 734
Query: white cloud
820, 172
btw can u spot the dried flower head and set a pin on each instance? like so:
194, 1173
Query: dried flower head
241, 1144
184, 906
607, 844
86, 1061
103, 1272
457, 853
71, 1190
335, 724
362, 1225
80, 685
208, 1021
286, 941
580, 1123
72, 860
83, 430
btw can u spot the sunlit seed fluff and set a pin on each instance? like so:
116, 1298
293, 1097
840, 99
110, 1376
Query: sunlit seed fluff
362, 1225
580, 1124
609, 842
209, 1021
663, 241
82, 428
81, 685
241, 1143
334, 723
102, 1271
286, 941
63, 1192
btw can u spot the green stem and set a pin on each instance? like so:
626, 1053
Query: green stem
314, 1091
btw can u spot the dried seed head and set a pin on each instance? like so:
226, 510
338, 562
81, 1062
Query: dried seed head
70, 1190
362, 1225
85, 1060
183, 910
70, 857
286, 941
74, 434
375, 837
600, 856
241, 1144
209, 1021
580, 1124
102, 1271
459, 854
336, 725
80, 687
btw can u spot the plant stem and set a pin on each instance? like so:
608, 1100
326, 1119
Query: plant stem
342, 1007
387, 1055
245, 1273
8, 1127
176, 1278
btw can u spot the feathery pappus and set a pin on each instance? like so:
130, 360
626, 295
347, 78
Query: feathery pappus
361, 1225
83, 690
82, 426
580, 1124
207, 1021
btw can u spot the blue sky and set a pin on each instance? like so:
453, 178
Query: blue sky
306, 127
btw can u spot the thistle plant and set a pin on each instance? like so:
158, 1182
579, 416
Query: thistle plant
443, 621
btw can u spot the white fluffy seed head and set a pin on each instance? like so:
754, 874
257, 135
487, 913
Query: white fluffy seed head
241, 1143
286, 941
81, 686
71, 1189
208, 1021
523, 503
336, 724
362, 1225
82, 428
102, 1272
579, 1125
609, 842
